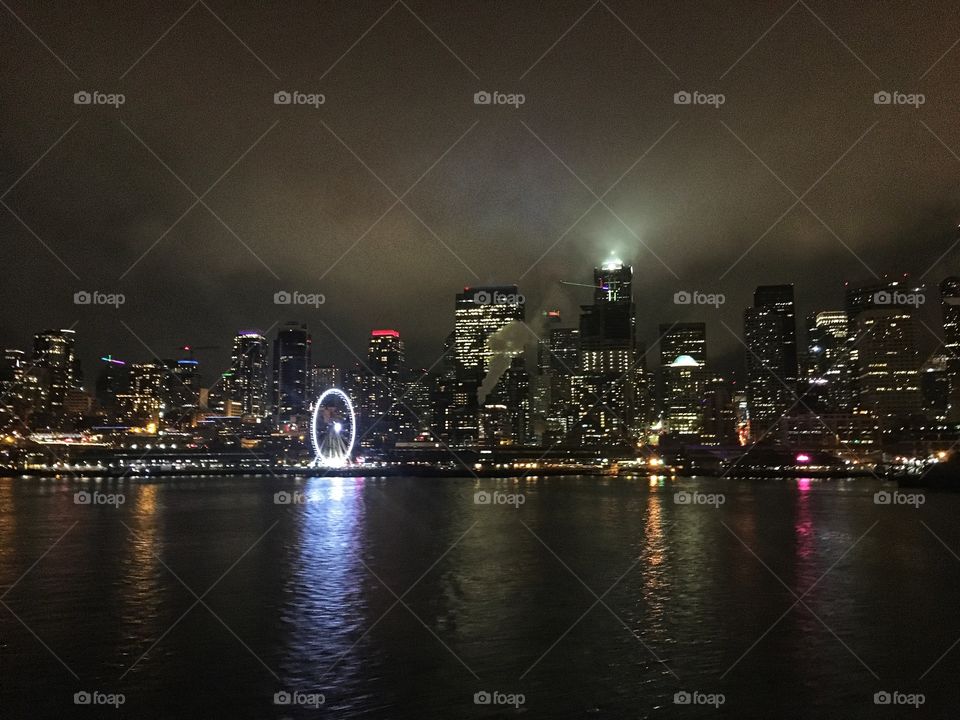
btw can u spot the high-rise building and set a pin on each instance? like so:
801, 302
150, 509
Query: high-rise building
685, 383
719, 413
825, 377
604, 392
505, 416
770, 334
143, 398
607, 341
683, 339
935, 388
54, 352
291, 374
18, 397
381, 411
683, 354
883, 349
324, 377
950, 306
478, 314
248, 380
559, 362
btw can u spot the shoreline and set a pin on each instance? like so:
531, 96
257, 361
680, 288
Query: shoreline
433, 472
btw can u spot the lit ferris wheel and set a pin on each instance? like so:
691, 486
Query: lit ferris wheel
333, 429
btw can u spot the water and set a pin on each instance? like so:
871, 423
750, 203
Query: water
304, 597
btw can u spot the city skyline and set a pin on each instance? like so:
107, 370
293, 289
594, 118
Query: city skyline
429, 359
847, 378
693, 307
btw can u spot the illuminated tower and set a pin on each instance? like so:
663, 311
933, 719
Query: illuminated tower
683, 354
291, 368
381, 414
54, 354
604, 390
248, 379
950, 305
607, 326
479, 313
884, 353
770, 333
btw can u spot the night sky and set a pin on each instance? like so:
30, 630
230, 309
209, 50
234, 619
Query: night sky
294, 197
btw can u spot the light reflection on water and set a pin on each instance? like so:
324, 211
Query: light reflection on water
304, 596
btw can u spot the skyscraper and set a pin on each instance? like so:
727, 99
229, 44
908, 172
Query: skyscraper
381, 414
291, 373
770, 334
683, 339
324, 377
54, 353
479, 313
950, 306
683, 354
607, 326
604, 391
825, 376
248, 381
884, 353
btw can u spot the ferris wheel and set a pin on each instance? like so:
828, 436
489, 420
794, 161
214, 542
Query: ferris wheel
333, 429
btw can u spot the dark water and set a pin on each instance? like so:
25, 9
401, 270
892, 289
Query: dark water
303, 597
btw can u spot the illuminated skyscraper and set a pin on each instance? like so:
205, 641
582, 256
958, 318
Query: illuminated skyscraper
683, 339
479, 313
291, 368
248, 379
683, 354
607, 327
825, 376
770, 334
54, 353
950, 306
604, 392
884, 353
324, 377
381, 415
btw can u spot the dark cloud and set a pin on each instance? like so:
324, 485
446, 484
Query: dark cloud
510, 202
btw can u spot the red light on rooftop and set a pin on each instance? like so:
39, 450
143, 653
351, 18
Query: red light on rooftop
384, 333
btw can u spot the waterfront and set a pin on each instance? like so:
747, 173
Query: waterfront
298, 592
